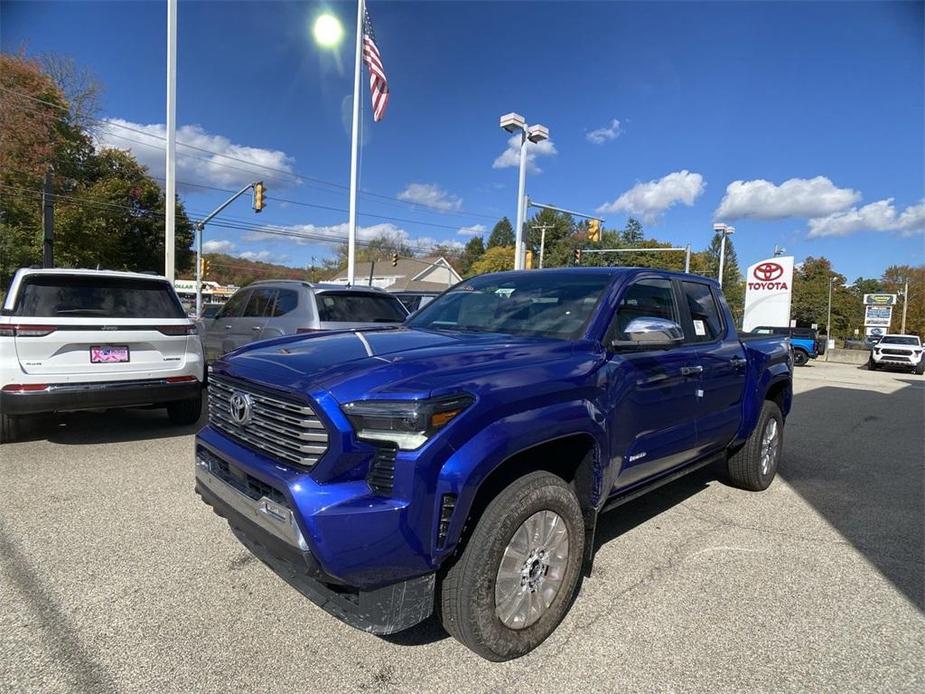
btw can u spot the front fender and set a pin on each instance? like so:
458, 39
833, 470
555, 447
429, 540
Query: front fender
466, 470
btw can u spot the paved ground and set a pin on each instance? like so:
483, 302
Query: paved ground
116, 578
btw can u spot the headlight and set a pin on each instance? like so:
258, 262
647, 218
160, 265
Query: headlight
407, 423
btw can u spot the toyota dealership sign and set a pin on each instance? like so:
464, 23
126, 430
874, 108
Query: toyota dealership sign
768, 286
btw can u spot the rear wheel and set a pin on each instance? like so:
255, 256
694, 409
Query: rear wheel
800, 357
515, 580
185, 412
754, 466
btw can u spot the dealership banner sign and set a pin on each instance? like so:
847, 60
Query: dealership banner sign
878, 312
768, 290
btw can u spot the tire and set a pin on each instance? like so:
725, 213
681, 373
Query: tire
468, 605
871, 365
9, 428
185, 412
754, 465
920, 369
800, 357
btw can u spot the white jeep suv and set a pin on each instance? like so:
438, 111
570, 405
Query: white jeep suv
89, 339
898, 350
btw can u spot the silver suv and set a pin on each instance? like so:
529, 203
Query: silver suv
264, 310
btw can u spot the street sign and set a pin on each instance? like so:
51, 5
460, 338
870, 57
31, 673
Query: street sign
768, 287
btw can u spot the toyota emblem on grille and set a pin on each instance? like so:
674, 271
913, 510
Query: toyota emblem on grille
767, 272
240, 407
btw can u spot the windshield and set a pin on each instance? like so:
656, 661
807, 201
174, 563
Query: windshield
555, 305
72, 296
899, 340
344, 307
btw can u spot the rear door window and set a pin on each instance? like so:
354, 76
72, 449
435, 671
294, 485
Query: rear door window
343, 307
259, 304
707, 325
95, 296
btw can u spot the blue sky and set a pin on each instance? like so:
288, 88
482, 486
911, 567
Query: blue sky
800, 123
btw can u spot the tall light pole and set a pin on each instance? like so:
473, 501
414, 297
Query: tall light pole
725, 230
905, 304
514, 122
828, 321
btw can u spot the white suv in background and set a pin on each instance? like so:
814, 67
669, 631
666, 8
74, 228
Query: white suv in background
898, 350
91, 339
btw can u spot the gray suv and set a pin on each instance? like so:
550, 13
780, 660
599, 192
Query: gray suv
264, 310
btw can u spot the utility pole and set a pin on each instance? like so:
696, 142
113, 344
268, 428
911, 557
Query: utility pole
542, 228
725, 230
905, 304
48, 219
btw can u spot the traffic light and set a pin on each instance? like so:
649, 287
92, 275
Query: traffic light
577, 256
260, 194
394, 259
203, 266
594, 230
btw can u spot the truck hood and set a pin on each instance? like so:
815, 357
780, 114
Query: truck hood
400, 363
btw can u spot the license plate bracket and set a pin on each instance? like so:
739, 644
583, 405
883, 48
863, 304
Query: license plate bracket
109, 354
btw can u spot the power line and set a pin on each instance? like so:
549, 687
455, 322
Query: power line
296, 175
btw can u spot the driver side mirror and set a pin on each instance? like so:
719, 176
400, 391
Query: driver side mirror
650, 333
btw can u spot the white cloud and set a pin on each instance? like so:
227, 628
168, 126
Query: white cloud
147, 144
263, 256
217, 247
876, 216
511, 156
602, 135
431, 195
796, 197
474, 230
312, 234
650, 199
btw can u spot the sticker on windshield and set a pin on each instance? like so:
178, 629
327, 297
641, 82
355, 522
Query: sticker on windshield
699, 327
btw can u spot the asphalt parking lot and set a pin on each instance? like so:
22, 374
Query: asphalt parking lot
115, 577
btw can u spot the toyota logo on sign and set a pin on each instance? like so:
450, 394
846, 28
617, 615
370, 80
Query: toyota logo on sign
766, 272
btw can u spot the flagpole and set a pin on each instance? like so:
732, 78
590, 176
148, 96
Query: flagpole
354, 147
170, 191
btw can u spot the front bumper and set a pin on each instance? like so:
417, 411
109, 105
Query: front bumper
908, 359
262, 521
66, 397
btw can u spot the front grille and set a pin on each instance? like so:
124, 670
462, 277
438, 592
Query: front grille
895, 351
285, 429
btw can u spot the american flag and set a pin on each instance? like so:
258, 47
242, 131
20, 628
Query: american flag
378, 84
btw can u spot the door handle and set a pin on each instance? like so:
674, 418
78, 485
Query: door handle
691, 370
257, 328
228, 327
737, 362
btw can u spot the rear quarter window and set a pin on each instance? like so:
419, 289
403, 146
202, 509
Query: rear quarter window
341, 307
88, 296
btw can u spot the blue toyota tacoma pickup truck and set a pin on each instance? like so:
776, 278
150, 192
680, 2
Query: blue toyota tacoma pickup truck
458, 463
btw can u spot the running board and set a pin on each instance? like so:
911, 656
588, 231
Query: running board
655, 484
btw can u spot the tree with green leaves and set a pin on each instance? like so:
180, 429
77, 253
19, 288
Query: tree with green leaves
502, 234
474, 250
495, 259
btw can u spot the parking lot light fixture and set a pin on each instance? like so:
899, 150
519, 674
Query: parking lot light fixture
514, 123
725, 230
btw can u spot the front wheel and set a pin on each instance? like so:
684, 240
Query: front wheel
185, 412
515, 580
920, 369
754, 465
871, 364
